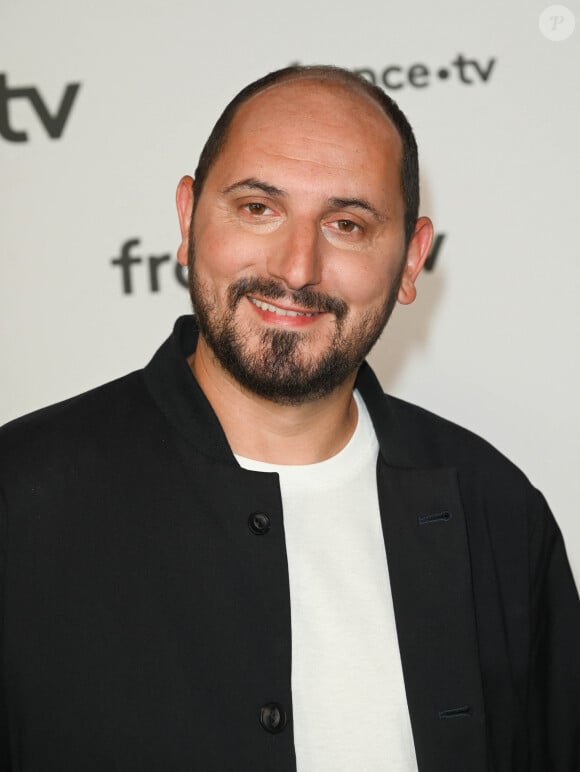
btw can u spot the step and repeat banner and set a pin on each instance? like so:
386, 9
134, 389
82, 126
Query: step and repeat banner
103, 106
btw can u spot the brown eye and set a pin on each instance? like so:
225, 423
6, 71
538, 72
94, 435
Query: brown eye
346, 226
256, 208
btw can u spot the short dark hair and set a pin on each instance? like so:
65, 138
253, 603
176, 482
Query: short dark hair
409, 159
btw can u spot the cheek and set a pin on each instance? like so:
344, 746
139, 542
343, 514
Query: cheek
365, 287
222, 256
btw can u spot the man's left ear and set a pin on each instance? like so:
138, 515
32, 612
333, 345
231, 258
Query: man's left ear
417, 253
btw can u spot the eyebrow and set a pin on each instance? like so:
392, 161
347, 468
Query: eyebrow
254, 184
251, 183
357, 203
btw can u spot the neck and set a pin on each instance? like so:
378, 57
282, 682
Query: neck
267, 431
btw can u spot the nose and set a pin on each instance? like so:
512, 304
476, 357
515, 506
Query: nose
296, 256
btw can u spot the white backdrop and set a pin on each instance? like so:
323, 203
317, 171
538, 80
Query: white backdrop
492, 341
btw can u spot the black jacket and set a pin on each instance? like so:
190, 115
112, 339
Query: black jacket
147, 621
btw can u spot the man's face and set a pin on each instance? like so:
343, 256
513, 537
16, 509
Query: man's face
297, 248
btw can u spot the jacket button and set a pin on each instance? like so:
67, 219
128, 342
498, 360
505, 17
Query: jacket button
273, 717
259, 523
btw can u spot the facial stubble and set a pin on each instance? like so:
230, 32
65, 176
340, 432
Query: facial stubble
279, 368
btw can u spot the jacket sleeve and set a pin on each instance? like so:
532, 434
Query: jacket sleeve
554, 686
5, 764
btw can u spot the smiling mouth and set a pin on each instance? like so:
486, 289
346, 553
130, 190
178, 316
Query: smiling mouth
280, 311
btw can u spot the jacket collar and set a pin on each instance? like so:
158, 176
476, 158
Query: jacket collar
177, 393
179, 396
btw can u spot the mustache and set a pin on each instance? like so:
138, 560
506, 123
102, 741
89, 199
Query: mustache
270, 289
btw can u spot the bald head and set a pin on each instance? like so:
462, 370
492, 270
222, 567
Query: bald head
341, 82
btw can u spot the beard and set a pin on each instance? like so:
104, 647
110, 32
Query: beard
280, 368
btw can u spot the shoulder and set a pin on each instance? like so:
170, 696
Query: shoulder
42, 437
433, 440
411, 436
508, 520
491, 484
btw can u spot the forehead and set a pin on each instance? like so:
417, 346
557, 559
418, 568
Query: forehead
314, 121
302, 95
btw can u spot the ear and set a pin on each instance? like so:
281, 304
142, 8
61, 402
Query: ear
417, 253
184, 200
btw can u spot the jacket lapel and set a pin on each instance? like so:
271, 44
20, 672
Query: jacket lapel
430, 574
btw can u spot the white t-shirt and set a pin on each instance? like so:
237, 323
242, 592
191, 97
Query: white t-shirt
349, 705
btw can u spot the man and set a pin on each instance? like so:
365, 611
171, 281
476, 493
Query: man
245, 556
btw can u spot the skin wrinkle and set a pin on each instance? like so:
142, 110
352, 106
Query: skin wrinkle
252, 184
314, 162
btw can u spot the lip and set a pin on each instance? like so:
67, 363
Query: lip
297, 317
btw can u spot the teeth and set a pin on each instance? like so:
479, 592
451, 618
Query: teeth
283, 312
